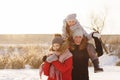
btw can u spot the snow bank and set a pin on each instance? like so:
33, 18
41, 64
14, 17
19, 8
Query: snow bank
110, 73
108, 60
19, 74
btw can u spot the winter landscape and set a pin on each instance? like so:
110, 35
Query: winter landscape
21, 60
26, 28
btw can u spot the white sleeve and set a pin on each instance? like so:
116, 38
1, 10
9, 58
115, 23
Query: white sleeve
89, 36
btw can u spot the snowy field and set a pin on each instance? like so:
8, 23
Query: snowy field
111, 72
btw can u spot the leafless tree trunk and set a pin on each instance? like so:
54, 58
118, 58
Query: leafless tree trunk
97, 24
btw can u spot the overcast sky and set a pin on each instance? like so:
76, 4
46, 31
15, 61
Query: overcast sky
46, 16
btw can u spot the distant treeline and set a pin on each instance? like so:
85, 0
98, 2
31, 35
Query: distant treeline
43, 38
111, 39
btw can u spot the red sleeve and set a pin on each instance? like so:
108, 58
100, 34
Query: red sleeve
46, 68
63, 67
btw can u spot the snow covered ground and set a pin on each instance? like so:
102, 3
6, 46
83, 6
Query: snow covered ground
111, 72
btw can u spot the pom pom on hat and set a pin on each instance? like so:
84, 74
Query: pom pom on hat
77, 32
57, 39
71, 17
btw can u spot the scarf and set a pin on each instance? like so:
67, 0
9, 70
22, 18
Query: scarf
53, 71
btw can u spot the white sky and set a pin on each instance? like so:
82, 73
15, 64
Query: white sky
46, 16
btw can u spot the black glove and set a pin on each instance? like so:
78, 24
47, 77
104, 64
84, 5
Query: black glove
98, 45
44, 58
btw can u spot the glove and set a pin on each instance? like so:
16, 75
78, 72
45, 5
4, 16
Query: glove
44, 58
96, 34
51, 58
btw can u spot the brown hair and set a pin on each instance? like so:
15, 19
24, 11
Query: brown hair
57, 35
83, 44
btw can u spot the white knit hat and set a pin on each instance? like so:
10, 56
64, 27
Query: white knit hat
71, 17
77, 32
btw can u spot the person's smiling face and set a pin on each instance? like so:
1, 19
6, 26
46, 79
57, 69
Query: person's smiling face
77, 40
71, 22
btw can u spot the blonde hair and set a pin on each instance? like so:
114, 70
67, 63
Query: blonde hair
64, 46
68, 32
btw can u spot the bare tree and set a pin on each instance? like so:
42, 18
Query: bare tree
97, 24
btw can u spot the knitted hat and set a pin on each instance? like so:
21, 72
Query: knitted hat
77, 32
57, 39
71, 17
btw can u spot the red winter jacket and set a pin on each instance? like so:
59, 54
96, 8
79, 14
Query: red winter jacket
65, 68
